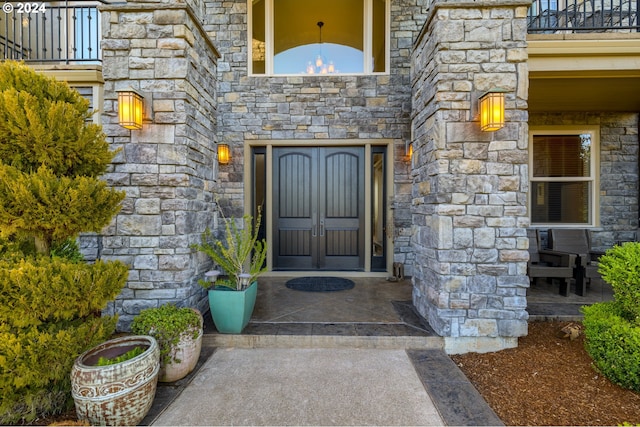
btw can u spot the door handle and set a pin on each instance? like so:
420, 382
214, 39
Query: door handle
322, 227
314, 227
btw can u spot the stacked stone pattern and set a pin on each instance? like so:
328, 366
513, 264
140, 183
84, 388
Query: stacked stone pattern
469, 188
167, 168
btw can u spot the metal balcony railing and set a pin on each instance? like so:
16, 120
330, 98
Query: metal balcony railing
583, 16
64, 32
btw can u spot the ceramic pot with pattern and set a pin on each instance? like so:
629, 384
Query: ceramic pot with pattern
120, 393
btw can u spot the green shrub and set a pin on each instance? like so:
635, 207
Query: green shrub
167, 324
43, 122
52, 208
613, 343
51, 159
41, 290
36, 362
612, 329
620, 266
49, 314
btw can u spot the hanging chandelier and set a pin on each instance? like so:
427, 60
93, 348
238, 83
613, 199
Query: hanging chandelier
320, 65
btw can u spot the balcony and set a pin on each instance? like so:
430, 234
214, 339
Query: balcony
585, 16
66, 32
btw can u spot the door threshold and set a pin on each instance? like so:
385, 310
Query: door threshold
315, 273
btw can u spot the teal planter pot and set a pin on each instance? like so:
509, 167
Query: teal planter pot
231, 309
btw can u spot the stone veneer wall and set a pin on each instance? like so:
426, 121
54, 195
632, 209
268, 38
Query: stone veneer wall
314, 107
469, 187
618, 170
167, 168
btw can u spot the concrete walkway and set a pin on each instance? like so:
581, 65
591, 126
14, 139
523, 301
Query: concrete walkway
304, 387
282, 386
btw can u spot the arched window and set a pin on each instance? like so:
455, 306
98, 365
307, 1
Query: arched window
291, 37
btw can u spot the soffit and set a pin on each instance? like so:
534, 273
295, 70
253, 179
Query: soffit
578, 74
595, 72
585, 94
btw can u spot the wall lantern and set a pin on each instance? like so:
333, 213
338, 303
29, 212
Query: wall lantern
408, 150
130, 109
491, 106
224, 154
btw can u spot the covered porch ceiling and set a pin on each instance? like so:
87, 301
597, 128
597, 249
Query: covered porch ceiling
572, 73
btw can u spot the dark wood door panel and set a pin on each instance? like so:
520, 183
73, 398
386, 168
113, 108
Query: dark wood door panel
318, 208
295, 200
342, 208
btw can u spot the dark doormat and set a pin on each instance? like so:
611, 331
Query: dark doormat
320, 284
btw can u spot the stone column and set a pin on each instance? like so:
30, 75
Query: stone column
469, 208
167, 168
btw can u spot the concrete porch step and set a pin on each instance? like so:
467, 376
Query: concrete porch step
328, 335
323, 341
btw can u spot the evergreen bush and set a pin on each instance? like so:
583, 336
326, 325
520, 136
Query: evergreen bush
620, 266
612, 329
613, 343
51, 158
36, 362
53, 208
43, 122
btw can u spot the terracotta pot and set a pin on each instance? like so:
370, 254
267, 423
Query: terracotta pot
187, 351
118, 394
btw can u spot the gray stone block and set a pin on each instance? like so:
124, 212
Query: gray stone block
135, 306
145, 262
139, 225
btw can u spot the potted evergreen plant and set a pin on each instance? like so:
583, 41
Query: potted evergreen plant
179, 335
241, 255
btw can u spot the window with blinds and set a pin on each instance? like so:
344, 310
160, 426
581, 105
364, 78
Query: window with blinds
562, 175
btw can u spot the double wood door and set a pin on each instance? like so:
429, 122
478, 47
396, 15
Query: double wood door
318, 208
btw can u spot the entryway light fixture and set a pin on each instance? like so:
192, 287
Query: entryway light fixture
408, 150
224, 154
491, 106
130, 108
320, 64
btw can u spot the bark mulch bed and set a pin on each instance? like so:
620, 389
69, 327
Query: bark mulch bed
549, 380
